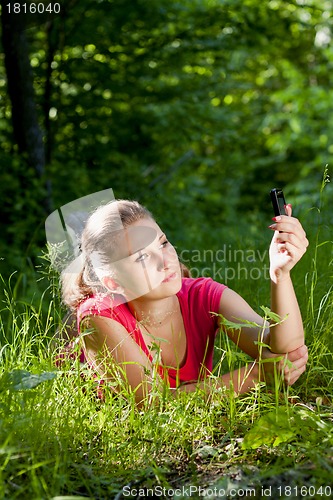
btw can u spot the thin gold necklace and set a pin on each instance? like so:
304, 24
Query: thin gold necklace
148, 321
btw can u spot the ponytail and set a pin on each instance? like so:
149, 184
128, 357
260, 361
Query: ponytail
78, 282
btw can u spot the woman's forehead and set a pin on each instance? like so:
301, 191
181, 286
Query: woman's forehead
133, 239
147, 222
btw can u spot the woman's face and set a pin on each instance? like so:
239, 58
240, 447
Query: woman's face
150, 264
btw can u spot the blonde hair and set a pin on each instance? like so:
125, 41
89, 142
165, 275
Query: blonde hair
99, 237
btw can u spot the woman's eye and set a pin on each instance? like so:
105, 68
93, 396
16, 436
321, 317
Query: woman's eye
164, 244
142, 257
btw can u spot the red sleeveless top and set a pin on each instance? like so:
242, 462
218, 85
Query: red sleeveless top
198, 299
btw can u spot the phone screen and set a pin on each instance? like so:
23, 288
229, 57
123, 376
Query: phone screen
278, 201
281, 202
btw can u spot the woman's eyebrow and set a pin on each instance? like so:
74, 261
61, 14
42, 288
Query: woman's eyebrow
140, 249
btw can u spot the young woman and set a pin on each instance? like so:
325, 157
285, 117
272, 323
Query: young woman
144, 318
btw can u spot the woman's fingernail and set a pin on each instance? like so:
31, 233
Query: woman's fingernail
277, 218
272, 226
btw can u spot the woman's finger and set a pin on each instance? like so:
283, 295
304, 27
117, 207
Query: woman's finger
289, 366
296, 374
291, 378
284, 224
288, 209
300, 352
293, 252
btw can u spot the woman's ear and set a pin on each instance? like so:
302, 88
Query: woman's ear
112, 285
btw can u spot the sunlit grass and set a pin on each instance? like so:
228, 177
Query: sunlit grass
58, 439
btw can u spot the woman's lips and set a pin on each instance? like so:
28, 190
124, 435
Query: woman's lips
171, 277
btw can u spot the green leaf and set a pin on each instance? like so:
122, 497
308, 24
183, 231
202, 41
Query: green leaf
21, 380
271, 430
284, 425
236, 326
261, 344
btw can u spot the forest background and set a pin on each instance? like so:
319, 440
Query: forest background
196, 108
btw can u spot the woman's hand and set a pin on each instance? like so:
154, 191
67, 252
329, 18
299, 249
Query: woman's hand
290, 367
288, 245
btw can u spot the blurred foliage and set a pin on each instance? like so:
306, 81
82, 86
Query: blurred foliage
195, 108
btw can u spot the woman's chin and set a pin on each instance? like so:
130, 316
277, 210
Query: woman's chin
169, 286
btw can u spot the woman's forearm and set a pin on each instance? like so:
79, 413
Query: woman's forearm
240, 381
288, 335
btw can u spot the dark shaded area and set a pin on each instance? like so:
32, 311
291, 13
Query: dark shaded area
195, 109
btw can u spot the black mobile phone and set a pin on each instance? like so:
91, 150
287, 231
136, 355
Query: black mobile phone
278, 202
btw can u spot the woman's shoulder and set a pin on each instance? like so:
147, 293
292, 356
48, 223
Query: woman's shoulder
100, 304
201, 290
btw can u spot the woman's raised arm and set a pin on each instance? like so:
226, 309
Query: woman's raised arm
288, 245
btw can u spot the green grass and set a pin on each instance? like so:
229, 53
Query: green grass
58, 440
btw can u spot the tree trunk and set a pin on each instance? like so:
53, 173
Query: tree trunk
27, 132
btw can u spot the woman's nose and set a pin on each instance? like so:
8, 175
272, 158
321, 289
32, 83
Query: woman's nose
162, 261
